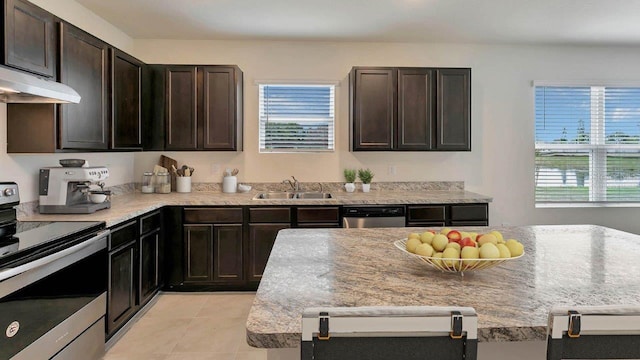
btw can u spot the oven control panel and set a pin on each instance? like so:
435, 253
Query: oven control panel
9, 194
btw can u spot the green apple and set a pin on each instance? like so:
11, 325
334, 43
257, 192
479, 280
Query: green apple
469, 252
489, 250
439, 242
487, 238
424, 250
445, 231
498, 236
515, 247
437, 259
505, 253
412, 244
426, 237
413, 235
450, 256
454, 245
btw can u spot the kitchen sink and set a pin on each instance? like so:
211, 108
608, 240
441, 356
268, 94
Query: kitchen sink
284, 195
274, 195
313, 195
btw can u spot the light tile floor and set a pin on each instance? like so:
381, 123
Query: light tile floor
193, 326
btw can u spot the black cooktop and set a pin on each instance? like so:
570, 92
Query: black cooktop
34, 239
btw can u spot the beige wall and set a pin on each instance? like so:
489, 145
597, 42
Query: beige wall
501, 161
78, 15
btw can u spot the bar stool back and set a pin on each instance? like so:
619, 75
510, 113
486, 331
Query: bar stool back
594, 332
383, 333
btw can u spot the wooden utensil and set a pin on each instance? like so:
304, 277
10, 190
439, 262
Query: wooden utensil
167, 163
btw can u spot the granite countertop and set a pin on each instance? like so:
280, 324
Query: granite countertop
127, 206
562, 265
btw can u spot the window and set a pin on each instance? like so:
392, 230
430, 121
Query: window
587, 147
297, 118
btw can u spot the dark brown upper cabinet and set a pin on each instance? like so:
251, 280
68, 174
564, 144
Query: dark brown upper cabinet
126, 97
374, 105
453, 109
202, 108
29, 38
410, 109
84, 65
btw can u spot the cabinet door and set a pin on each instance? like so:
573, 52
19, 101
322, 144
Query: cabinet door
181, 112
416, 102
198, 252
30, 38
227, 253
84, 67
121, 304
453, 123
149, 265
126, 116
261, 239
374, 109
219, 121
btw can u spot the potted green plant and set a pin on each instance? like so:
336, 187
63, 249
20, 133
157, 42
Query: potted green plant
365, 176
350, 177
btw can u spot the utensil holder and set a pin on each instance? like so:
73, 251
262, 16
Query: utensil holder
183, 184
229, 184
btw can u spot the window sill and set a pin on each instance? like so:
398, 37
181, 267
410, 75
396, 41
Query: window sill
586, 205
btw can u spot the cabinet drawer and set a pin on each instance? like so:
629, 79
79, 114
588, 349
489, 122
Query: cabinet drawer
469, 212
123, 234
426, 213
150, 222
213, 215
318, 214
269, 215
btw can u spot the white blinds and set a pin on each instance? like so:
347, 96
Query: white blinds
587, 144
297, 118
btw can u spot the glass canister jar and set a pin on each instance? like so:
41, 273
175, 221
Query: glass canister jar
147, 183
163, 183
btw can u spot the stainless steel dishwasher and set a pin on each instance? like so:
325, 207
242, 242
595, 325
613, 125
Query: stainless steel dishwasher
372, 216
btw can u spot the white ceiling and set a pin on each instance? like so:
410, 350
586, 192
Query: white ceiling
587, 22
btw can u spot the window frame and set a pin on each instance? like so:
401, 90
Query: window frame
598, 150
336, 86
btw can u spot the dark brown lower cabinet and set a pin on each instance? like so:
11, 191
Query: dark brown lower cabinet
448, 215
213, 253
227, 253
261, 239
198, 252
121, 303
149, 265
135, 263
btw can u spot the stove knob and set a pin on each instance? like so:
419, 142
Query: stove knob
9, 192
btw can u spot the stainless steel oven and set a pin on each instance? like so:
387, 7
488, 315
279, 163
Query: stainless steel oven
53, 282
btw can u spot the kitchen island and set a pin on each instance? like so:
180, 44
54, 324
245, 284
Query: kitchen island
562, 265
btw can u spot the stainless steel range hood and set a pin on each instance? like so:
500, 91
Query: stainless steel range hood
18, 87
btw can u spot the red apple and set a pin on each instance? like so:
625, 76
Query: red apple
454, 236
467, 242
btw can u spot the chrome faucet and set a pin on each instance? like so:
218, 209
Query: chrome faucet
295, 185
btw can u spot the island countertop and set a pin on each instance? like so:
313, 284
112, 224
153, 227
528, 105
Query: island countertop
562, 265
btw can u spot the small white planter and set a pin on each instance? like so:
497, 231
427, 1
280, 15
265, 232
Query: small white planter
350, 187
366, 187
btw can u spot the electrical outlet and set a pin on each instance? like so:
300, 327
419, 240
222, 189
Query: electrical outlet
215, 169
391, 170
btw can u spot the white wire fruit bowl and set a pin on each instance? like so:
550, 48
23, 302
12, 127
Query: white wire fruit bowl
454, 265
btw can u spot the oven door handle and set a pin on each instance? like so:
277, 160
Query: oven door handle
33, 265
